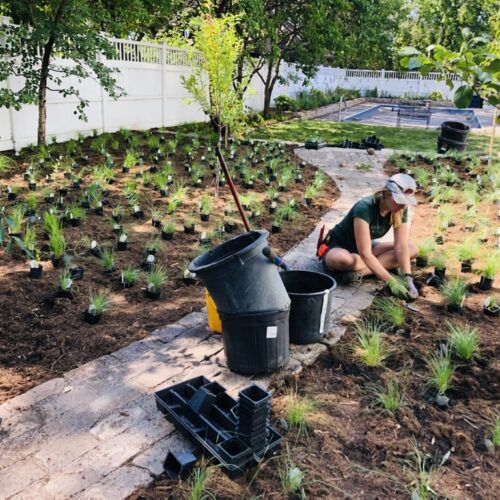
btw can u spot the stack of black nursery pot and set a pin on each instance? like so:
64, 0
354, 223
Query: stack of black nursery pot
253, 417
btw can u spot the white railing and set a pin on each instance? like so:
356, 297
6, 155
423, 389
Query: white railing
131, 51
151, 53
398, 75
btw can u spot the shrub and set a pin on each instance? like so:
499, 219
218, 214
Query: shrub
442, 370
435, 95
391, 311
99, 302
463, 340
370, 348
388, 397
285, 103
492, 266
454, 291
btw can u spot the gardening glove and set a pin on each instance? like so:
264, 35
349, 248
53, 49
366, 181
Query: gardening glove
398, 287
412, 290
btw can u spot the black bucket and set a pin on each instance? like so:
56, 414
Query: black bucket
311, 297
444, 145
239, 278
256, 343
455, 131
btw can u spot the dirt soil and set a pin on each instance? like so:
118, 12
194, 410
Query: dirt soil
44, 336
351, 448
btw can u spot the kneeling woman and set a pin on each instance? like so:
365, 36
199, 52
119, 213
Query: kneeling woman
353, 248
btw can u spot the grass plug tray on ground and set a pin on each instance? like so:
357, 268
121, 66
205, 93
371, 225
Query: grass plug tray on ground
215, 429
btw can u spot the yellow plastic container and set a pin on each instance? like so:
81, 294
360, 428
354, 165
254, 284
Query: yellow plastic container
214, 322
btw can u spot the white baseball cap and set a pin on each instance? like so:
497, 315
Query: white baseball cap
402, 188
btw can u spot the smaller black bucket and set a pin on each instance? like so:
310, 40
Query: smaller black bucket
311, 297
257, 342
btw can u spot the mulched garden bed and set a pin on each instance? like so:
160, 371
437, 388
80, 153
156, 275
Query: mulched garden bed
43, 335
351, 447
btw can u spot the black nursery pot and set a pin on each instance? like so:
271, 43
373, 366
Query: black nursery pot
178, 465
455, 309
436, 279
121, 245
76, 273
308, 201
156, 223
57, 262
422, 262
485, 283
36, 272
116, 218
189, 281
11, 196
275, 229
64, 294
492, 311
229, 227
75, 222
139, 214
91, 319
32, 186
166, 236
153, 295
466, 266
204, 217
189, 229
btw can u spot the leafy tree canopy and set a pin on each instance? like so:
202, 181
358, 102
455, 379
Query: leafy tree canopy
441, 22
476, 63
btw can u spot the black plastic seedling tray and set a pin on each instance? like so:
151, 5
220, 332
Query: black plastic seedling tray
214, 423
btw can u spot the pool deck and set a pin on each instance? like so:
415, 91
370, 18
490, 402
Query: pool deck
386, 117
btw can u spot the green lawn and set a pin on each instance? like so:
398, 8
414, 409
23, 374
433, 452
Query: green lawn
411, 139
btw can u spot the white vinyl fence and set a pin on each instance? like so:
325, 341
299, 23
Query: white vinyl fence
151, 76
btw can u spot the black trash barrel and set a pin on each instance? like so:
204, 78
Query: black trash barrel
256, 343
455, 131
443, 145
311, 297
239, 278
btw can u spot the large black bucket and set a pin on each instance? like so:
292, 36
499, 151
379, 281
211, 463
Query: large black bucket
311, 297
444, 145
455, 131
239, 278
256, 343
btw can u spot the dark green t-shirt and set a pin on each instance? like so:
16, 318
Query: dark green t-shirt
368, 210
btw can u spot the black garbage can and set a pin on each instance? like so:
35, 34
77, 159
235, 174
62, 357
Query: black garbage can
453, 136
239, 278
256, 342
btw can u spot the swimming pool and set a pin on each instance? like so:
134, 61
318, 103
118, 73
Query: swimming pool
387, 114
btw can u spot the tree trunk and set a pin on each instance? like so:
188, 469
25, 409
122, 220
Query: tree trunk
272, 76
44, 74
42, 110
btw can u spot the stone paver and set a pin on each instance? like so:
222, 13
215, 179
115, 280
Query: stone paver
96, 432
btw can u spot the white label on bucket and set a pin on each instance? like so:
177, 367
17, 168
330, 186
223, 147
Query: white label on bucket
324, 307
271, 332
